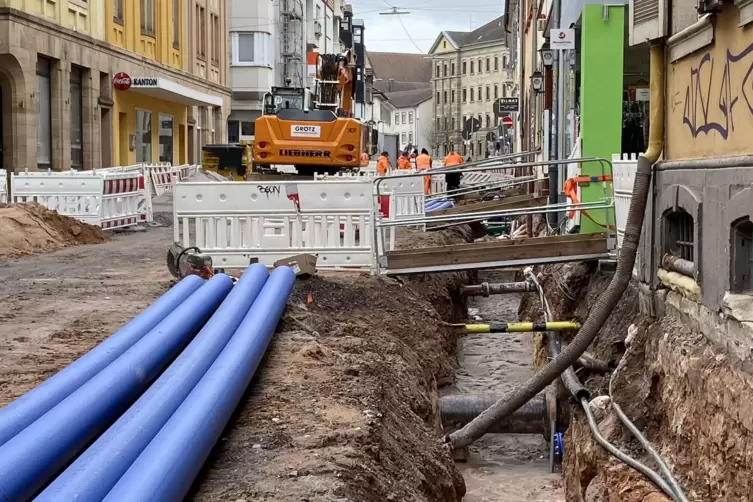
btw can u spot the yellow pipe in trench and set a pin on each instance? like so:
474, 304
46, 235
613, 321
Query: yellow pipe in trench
520, 327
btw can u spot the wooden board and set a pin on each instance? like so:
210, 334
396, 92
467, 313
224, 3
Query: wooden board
517, 202
498, 251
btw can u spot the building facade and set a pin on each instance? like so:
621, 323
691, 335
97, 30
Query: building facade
412, 118
471, 70
89, 84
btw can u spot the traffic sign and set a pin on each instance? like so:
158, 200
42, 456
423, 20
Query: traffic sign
507, 121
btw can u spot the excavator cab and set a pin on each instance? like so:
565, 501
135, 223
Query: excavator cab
285, 98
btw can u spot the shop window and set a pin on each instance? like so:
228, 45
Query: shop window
77, 118
44, 114
201, 24
147, 17
214, 27
143, 136
741, 256
679, 234
117, 12
176, 23
233, 131
165, 138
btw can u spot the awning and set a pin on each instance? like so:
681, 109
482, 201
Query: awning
173, 92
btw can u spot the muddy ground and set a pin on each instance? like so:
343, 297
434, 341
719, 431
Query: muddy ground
344, 407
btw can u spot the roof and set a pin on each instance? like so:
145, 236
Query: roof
401, 67
408, 99
493, 31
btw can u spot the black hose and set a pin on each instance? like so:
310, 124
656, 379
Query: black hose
180, 255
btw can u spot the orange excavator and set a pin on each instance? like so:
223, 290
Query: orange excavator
313, 132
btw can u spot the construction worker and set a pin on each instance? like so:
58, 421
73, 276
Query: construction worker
364, 159
383, 164
404, 161
423, 162
453, 179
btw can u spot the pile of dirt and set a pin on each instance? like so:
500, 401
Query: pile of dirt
32, 228
344, 408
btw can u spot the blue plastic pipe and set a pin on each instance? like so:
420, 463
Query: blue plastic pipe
443, 205
26, 409
431, 204
36, 454
168, 466
96, 471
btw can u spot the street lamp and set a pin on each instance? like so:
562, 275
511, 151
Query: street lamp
537, 81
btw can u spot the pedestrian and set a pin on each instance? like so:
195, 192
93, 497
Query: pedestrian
383, 164
453, 179
404, 161
423, 162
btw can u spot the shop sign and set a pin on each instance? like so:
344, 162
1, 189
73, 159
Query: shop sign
562, 39
505, 105
121, 81
305, 131
144, 82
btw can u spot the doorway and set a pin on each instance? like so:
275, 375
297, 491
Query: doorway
105, 132
181, 144
191, 152
123, 138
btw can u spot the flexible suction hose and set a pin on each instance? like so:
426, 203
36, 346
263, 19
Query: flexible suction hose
616, 288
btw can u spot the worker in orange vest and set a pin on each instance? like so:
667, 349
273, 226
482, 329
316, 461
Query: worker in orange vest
383, 164
453, 179
423, 162
404, 161
364, 159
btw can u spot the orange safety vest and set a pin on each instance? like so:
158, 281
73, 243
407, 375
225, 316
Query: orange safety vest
403, 163
364, 159
423, 161
383, 166
453, 159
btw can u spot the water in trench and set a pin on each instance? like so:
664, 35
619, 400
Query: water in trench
502, 467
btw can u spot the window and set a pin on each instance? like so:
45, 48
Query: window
741, 257
480, 62
402, 138
143, 136
453, 96
410, 117
250, 49
437, 100
496, 63
147, 17
410, 138
201, 23
444, 100
496, 91
471, 67
504, 61
403, 114
437, 72
77, 118
464, 67
248, 129
453, 123
233, 131
445, 123
488, 95
439, 123
444, 44
488, 121
452, 69
397, 118
504, 91
444, 70
487, 64
44, 114
176, 24
479, 93
117, 12
678, 235
215, 35
318, 13
465, 94
471, 94
165, 138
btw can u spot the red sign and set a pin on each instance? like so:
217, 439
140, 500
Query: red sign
507, 121
121, 81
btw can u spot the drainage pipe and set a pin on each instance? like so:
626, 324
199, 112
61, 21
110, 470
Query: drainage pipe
675, 264
97, 470
17, 415
485, 289
531, 418
167, 467
36, 454
591, 362
606, 302
520, 327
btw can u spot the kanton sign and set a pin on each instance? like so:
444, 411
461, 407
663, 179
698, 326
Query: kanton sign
144, 82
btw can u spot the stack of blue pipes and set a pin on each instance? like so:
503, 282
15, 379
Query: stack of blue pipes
135, 418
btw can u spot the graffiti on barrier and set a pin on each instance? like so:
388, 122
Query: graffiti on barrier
702, 99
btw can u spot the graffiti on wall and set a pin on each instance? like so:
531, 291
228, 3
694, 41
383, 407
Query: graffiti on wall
711, 97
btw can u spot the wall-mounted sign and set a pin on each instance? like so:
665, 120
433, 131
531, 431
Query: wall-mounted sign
505, 105
562, 39
144, 82
121, 81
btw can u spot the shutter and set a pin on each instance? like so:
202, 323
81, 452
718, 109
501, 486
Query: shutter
648, 20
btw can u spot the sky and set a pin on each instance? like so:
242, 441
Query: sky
417, 30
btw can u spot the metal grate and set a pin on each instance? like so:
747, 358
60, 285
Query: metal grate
645, 10
680, 235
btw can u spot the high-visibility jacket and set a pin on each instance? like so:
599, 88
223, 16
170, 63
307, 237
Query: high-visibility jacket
453, 159
383, 165
423, 161
364, 159
403, 163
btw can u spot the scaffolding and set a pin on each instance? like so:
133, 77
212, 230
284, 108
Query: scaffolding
291, 43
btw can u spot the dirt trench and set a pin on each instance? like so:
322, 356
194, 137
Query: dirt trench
344, 405
685, 393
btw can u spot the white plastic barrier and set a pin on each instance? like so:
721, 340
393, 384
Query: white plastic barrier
3, 187
408, 194
362, 175
476, 178
623, 176
238, 223
161, 175
122, 194
438, 183
70, 193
